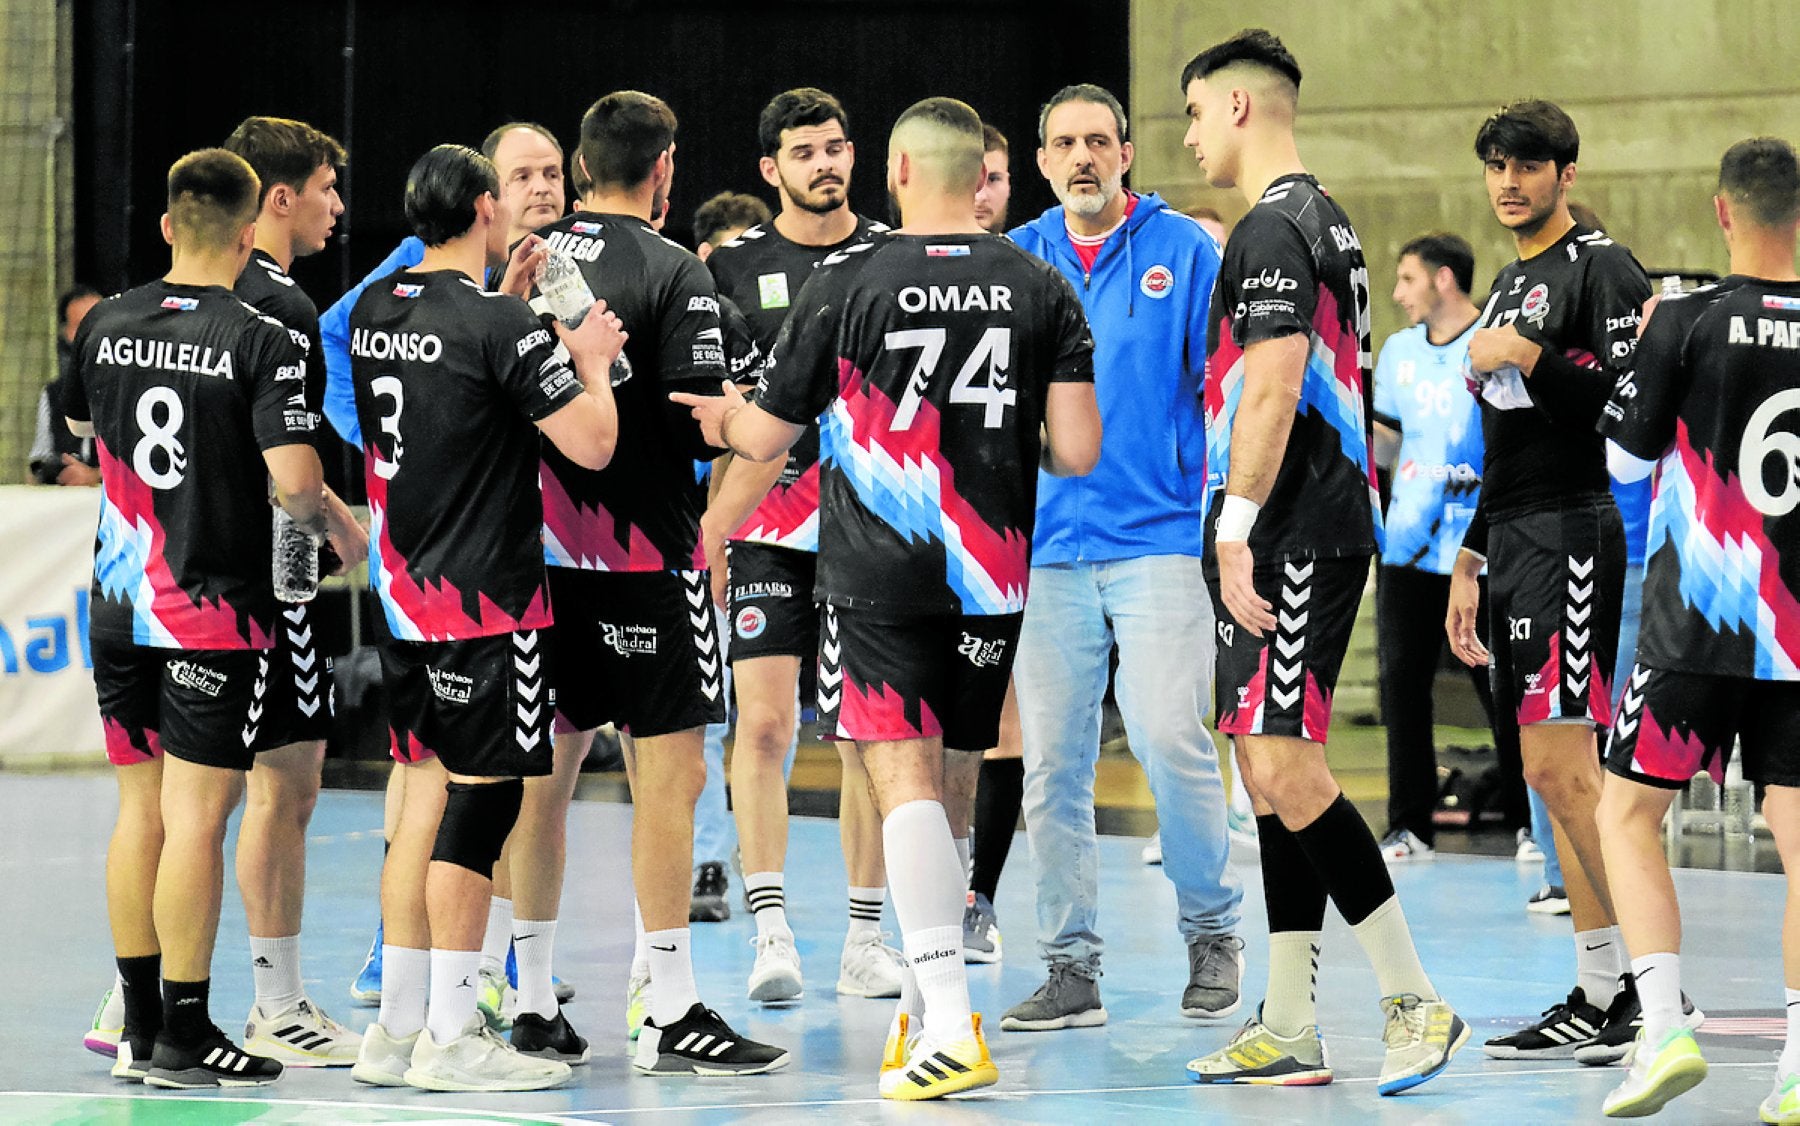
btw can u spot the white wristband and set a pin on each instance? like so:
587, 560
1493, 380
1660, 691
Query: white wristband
1236, 517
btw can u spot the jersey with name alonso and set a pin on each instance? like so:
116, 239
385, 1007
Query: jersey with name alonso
642, 512
450, 380
930, 358
267, 287
1714, 397
762, 270
186, 387
1293, 266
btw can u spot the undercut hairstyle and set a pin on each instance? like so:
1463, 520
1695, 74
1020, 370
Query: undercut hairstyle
283, 151
796, 109
728, 211
622, 134
1530, 130
1082, 92
491, 144
441, 191
71, 295
1251, 47
992, 140
944, 136
1442, 249
1760, 176
213, 196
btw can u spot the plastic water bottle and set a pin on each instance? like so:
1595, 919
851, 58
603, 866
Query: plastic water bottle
296, 570
1671, 285
564, 289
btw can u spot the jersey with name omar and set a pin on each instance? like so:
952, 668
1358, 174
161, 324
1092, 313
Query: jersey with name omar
1714, 397
186, 387
930, 358
267, 287
1420, 390
642, 512
450, 380
1293, 265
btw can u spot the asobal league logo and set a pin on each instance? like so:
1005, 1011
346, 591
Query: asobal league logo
1158, 282
751, 622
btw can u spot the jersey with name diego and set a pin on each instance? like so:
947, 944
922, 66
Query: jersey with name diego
1714, 398
762, 270
267, 287
449, 382
186, 387
930, 358
642, 512
1293, 265
1420, 391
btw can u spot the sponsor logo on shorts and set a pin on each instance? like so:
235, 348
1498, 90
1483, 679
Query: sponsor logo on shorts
1227, 631
1158, 282
450, 687
751, 622
983, 654
1519, 629
197, 678
628, 640
763, 590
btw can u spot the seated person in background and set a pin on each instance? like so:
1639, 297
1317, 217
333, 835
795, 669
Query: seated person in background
57, 456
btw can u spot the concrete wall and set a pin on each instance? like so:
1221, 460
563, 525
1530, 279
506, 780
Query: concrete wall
1394, 91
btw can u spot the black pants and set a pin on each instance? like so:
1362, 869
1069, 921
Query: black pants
1409, 607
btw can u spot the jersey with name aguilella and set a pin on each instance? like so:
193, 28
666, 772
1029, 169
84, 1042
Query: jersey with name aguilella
1420, 391
450, 380
642, 512
762, 271
931, 358
1714, 398
267, 287
186, 387
1293, 265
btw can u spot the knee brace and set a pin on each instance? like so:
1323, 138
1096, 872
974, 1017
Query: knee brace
477, 819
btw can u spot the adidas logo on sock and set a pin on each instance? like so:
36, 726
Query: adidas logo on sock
263, 963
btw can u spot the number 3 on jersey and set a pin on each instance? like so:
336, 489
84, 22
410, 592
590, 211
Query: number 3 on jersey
389, 387
162, 436
992, 356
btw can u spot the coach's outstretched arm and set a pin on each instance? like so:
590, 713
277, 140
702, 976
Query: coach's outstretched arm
729, 422
1273, 370
587, 429
1072, 430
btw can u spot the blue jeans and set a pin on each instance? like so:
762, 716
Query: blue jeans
1157, 610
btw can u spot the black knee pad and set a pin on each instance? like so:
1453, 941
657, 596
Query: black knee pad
477, 819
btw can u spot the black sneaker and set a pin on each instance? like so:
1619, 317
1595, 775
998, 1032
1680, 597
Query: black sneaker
701, 1043
548, 1038
710, 885
1566, 1026
213, 1062
1623, 1019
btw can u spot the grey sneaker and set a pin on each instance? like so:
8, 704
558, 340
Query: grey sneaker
1070, 999
1215, 967
1420, 1036
981, 931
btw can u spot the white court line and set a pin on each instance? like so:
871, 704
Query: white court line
426, 1108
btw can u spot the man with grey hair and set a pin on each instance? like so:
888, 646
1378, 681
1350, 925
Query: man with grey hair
1117, 561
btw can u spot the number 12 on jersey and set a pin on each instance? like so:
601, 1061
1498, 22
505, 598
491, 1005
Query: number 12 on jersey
992, 357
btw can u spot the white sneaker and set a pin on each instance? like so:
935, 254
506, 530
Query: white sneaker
1402, 845
1529, 852
869, 967
479, 1060
1240, 826
1152, 853
383, 1060
300, 1036
637, 1006
109, 1025
496, 1000
776, 975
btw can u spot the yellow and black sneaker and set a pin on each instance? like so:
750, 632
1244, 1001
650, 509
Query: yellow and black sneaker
933, 1070
900, 1041
1257, 1055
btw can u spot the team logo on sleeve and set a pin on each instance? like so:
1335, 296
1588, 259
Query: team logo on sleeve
408, 291
1158, 282
1536, 305
583, 227
181, 304
772, 290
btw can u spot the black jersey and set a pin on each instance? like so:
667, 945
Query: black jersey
186, 386
1579, 301
1712, 396
1293, 265
930, 358
762, 271
743, 355
642, 512
449, 381
265, 285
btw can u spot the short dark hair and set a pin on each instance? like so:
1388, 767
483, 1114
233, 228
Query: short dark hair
1530, 130
441, 191
728, 211
992, 140
622, 134
1441, 249
491, 144
1761, 175
796, 109
71, 295
284, 151
213, 196
1254, 46
1082, 92
1205, 212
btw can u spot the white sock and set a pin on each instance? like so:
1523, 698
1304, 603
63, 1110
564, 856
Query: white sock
768, 902
1659, 992
1290, 1003
672, 972
1388, 942
640, 953
455, 985
865, 913
965, 852
911, 1003
1597, 964
499, 935
533, 940
275, 969
928, 898
1790, 1051
405, 980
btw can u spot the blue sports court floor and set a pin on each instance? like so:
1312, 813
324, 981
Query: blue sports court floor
1497, 964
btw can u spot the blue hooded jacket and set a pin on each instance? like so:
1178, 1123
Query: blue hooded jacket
1146, 302
334, 333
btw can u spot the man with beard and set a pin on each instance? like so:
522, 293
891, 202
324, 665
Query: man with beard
996, 181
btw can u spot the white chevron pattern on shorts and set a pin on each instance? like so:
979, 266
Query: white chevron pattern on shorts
697, 590
1287, 683
253, 718
831, 665
1575, 654
528, 684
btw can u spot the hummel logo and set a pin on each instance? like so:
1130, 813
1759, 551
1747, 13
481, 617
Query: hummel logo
664, 949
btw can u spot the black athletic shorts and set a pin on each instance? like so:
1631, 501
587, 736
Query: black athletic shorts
482, 705
1556, 579
1281, 683
637, 649
884, 679
297, 708
1674, 725
200, 705
769, 601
